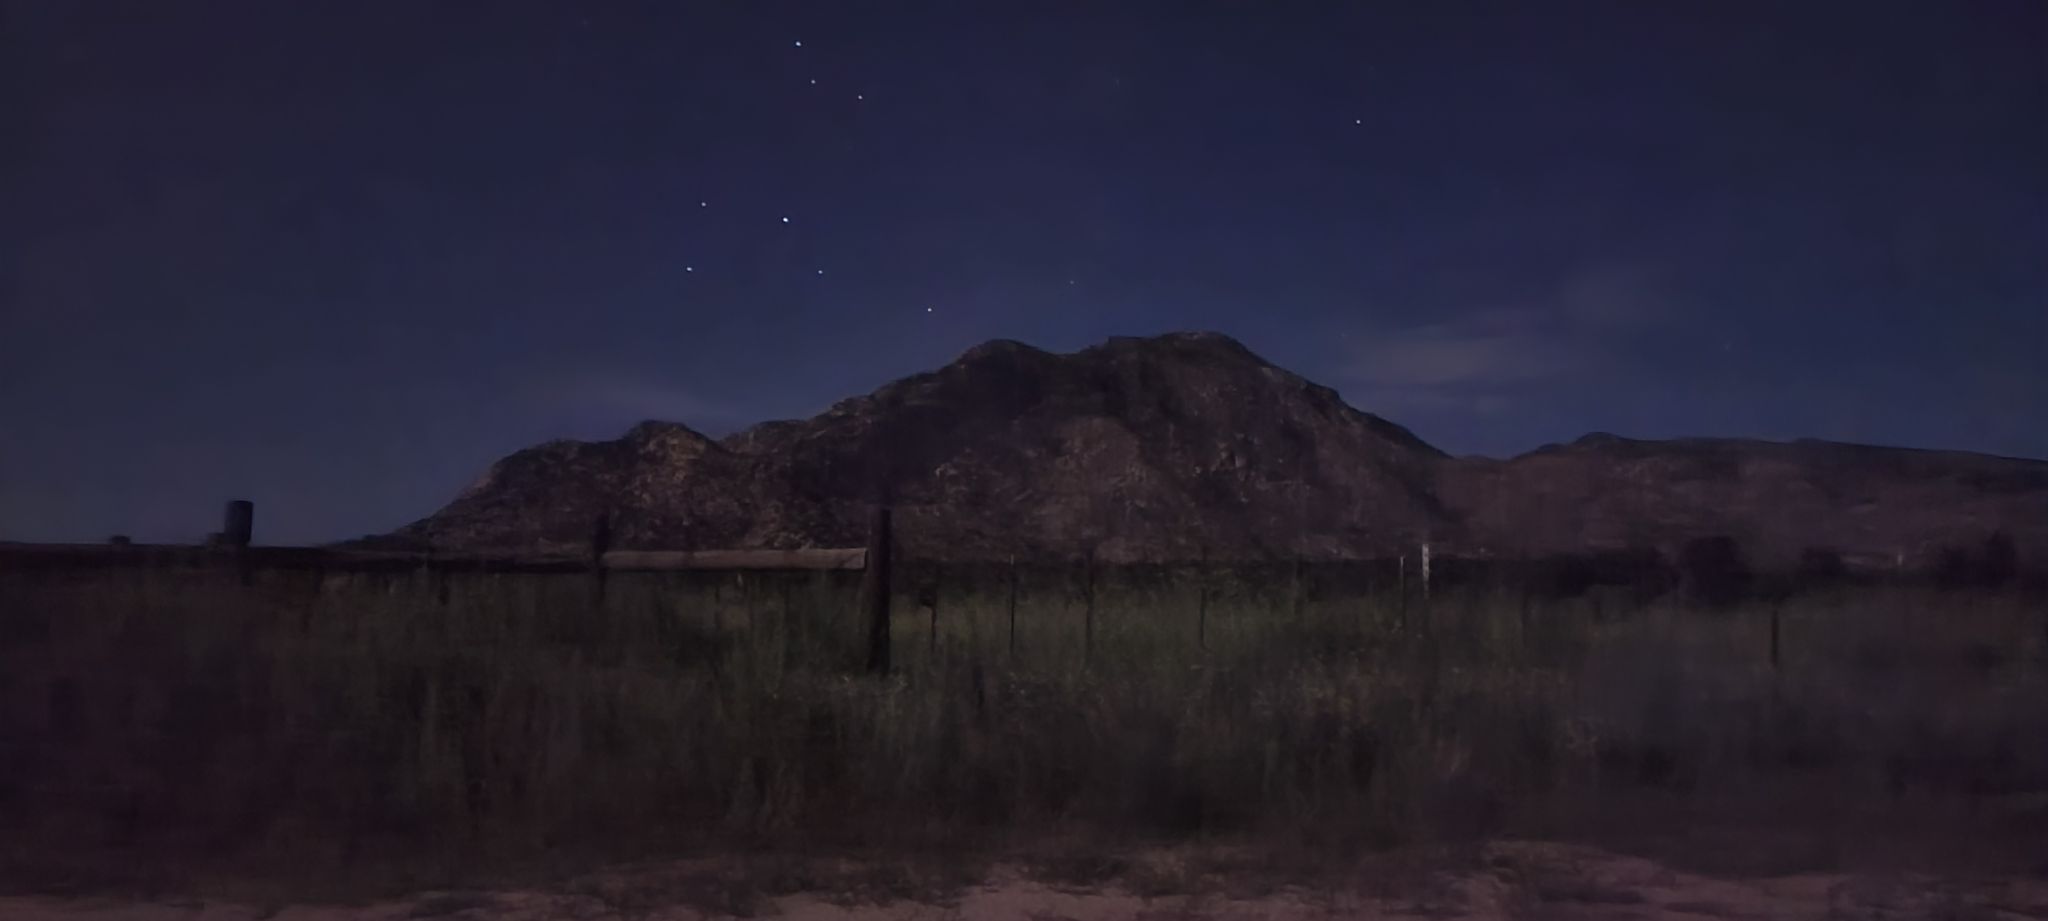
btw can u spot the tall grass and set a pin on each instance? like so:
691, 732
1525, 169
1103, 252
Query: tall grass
336, 727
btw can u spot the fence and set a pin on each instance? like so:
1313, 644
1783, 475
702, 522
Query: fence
233, 549
1073, 608
953, 593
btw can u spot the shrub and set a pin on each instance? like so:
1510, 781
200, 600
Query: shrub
1714, 570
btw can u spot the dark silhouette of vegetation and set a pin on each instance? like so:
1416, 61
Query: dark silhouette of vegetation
1998, 560
1642, 570
1714, 571
1991, 564
1821, 566
1952, 566
174, 724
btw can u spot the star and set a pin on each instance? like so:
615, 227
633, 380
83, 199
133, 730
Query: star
927, 310
821, 271
785, 220
859, 97
799, 44
703, 204
814, 83
1358, 121
689, 268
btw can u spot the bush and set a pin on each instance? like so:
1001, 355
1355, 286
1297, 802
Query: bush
1998, 561
1994, 563
1714, 570
1821, 566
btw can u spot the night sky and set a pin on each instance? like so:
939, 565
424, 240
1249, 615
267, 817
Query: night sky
338, 257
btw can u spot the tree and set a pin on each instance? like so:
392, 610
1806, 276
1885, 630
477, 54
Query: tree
1997, 561
1953, 566
1821, 566
1714, 570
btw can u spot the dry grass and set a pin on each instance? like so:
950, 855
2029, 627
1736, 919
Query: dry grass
167, 730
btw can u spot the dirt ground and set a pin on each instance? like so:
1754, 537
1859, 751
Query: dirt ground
1518, 880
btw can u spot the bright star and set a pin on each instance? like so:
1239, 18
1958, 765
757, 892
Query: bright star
689, 268
785, 220
799, 44
703, 204
927, 310
860, 97
821, 271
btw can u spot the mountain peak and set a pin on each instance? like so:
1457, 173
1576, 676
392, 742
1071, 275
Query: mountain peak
656, 430
1184, 444
996, 349
1187, 344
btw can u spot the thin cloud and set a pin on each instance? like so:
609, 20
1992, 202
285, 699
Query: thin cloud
1483, 347
1480, 361
615, 396
1450, 355
1616, 295
1400, 400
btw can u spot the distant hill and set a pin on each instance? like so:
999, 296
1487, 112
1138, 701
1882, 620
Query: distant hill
1183, 444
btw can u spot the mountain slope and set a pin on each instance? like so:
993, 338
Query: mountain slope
1776, 498
1178, 445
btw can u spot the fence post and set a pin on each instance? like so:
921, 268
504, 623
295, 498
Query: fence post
789, 618
1425, 572
600, 543
1522, 621
1088, 593
874, 591
1401, 586
1774, 636
1013, 606
932, 643
238, 526
1202, 600
1294, 599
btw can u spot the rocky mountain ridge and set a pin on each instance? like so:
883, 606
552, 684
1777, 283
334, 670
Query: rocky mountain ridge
1188, 444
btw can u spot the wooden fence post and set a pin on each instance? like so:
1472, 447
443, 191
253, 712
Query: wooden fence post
600, 543
1013, 605
1522, 619
1088, 592
932, 644
874, 591
1294, 599
238, 526
782, 587
1425, 573
1428, 612
1401, 620
1774, 636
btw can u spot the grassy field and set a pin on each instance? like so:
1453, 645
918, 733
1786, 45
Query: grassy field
162, 729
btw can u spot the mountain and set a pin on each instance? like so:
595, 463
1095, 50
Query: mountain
1874, 504
1173, 446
